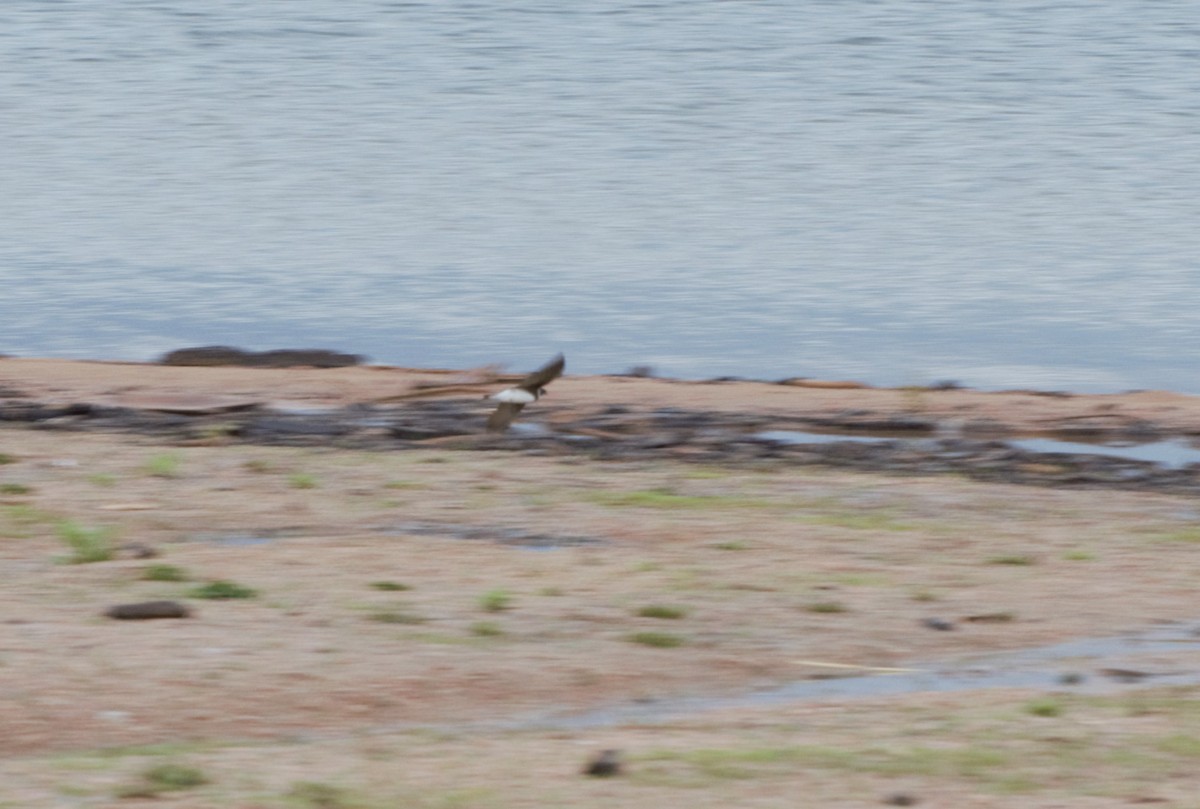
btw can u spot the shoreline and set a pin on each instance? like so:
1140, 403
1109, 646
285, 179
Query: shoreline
979, 434
232, 357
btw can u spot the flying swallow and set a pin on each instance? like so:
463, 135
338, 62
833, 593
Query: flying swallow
530, 389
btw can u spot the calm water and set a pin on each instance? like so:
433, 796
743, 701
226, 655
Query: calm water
901, 191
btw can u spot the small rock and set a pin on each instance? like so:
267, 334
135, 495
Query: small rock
146, 610
940, 624
206, 355
138, 550
991, 618
604, 765
1125, 675
314, 357
900, 799
278, 358
1070, 678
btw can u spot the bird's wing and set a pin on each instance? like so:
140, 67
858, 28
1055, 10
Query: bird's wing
503, 416
545, 375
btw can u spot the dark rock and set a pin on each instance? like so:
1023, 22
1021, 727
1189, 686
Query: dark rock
940, 624
420, 432
278, 358
1071, 678
900, 799
33, 412
604, 765
138, 550
659, 441
147, 610
1125, 675
991, 618
314, 357
206, 355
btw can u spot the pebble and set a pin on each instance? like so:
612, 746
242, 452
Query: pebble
604, 765
147, 610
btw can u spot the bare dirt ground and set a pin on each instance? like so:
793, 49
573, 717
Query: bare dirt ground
396, 652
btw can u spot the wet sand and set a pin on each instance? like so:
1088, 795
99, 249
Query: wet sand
426, 621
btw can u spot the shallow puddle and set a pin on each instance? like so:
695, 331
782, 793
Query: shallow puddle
516, 537
1168, 655
1171, 454
248, 538
1174, 453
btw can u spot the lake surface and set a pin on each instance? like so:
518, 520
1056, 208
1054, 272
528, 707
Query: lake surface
899, 191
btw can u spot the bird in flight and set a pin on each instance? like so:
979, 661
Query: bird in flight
529, 389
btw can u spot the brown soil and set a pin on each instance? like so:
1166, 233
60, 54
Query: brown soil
389, 697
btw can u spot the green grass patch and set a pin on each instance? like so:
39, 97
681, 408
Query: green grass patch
496, 601
174, 776
1180, 744
222, 590
1045, 706
5, 458
302, 480
103, 480
21, 514
826, 607
163, 466
164, 573
1079, 556
15, 488
396, 616
659, 640
662, 611
315, 795
1182, 535
1012, 559
734, 545
164, 778
19, 520
391, 586
87, 543
486, 629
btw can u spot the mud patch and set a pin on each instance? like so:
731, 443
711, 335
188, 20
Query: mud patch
516, 537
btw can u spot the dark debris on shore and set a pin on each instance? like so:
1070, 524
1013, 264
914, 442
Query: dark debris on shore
913, 445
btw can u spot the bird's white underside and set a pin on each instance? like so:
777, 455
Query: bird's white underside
515, 395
